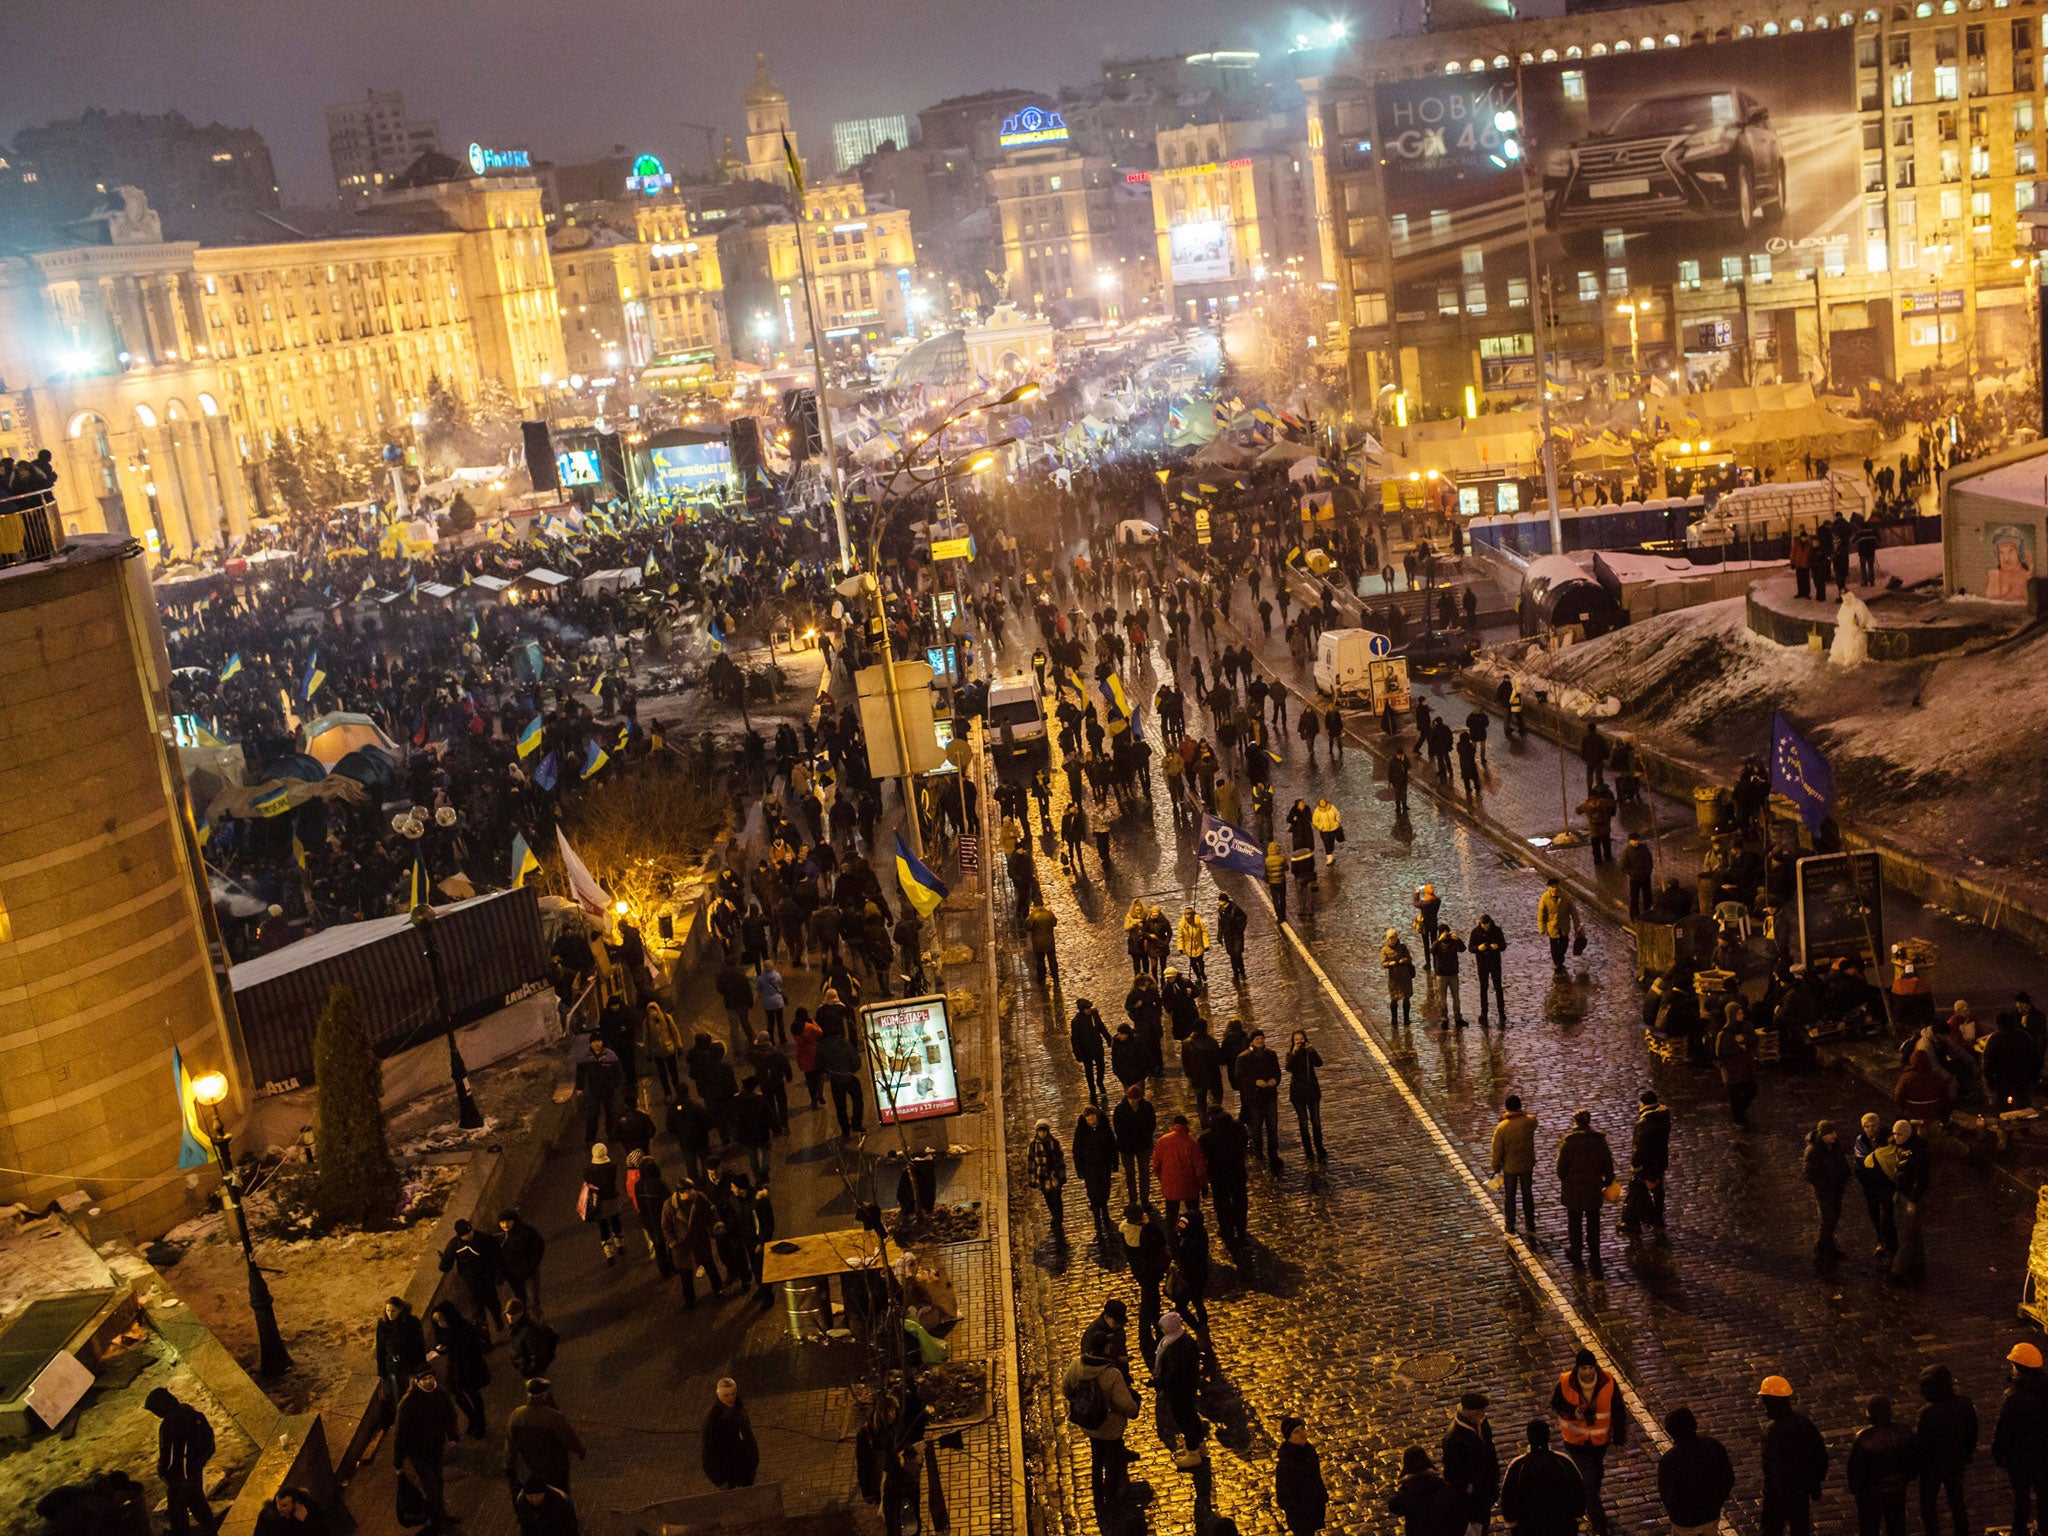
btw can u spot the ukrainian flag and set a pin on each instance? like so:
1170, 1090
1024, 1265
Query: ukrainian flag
650, 567
465, 582
272, 803
314, 676
422, 883
924, 890
1116, 707
298, 851
472, 626
594, 758
233, 667
192, 1144
523, 861
529, 739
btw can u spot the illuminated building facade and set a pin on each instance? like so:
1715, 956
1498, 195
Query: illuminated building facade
1233, 204
1920, 121
1055, 211
601, 275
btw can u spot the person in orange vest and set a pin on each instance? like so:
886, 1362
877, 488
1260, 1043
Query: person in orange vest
1585, 1402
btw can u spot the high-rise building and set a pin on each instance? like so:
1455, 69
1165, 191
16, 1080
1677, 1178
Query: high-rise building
1233, 204
1055, 208
369, 142
853, 142
185, 170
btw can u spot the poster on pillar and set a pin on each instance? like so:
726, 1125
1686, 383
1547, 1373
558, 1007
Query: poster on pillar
1740, 159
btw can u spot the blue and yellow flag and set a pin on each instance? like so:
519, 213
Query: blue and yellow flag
529, 739
298, 851
795, 167
473, 627
650, 567
273, 802
233, 667
1116, 709
314, 677
594, 758
193, 1141
923, 889
465, 582
523, 861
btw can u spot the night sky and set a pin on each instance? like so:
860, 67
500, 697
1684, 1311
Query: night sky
569, 78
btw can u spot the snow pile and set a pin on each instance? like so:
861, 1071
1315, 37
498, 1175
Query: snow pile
1940, 758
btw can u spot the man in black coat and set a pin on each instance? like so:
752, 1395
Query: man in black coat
1227, 1149
1649, 1159
1541, 1494
2019, 1440
1231, 922
1795, 1462
1471, 1464
1089, 1037
1487, 943
520, 1248
184, 1445
424, 1429
473, 1256
1694, 1477
1946, 1440
1136, 1124
1258, 1083
1883, 1461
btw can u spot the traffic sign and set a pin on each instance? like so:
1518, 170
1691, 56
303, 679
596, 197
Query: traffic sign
953, 549
1379, 646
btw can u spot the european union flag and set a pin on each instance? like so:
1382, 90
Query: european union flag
1801, 773
1229, 845
546, 774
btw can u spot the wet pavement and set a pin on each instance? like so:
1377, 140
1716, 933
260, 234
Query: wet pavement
1376, 1291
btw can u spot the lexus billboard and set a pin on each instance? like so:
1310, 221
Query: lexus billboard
1646, 158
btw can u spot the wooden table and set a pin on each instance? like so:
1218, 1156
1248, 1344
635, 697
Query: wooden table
819, 1256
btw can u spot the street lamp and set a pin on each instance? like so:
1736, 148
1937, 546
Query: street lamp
467, 1115
210, 1091
1508, 125
931, 440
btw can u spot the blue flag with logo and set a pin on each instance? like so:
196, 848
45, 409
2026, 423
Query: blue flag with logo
1801, 773
1229, 845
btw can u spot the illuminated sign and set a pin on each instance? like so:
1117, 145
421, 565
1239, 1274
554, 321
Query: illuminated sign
1201, 252
649, 176
484, 161
1134, 178
953, 549
1034, 125
659, 252
910, 1054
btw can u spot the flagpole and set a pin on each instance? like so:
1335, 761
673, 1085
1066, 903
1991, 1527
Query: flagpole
803, 259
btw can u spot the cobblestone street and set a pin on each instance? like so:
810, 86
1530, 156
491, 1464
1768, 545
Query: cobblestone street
1376, 1292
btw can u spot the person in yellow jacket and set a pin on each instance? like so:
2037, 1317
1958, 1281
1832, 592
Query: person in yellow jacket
1328, 821
1557, 919
1192, 939
1276, 880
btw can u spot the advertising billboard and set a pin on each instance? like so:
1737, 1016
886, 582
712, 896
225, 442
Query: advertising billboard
1200, 252
1740, 149
910, 1053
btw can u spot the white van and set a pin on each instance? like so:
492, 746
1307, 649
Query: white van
1774, 510
1358, 667
1016, 717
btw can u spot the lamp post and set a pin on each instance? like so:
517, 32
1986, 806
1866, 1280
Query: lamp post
467, 1115
1508, 125
907, 466
210, 1091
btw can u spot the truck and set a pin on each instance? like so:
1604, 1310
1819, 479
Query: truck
1760, 514
1016, 717
1358, 667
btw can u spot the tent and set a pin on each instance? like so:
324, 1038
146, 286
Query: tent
1286, 451
1222, 450
1604, 454
1311, 469
333, 736
371, 767
296, 765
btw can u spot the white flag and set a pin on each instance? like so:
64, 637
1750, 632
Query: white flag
591, 896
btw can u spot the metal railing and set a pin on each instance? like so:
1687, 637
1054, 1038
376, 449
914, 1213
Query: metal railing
30, 528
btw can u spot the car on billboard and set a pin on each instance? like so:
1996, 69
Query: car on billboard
1683, 157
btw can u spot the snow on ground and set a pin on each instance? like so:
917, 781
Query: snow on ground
44, 1258
1939, 757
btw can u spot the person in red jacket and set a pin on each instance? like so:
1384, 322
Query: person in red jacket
1180, 1168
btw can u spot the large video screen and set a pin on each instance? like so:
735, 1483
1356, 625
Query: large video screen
579, 466
1200, 252
689, 469
1645, 158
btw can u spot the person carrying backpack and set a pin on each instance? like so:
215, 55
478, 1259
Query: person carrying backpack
1101, 1404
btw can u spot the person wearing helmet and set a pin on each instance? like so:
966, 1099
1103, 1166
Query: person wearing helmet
2019, 1442
1795, 1462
